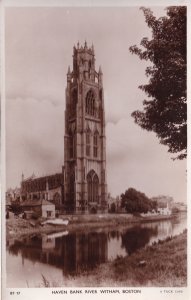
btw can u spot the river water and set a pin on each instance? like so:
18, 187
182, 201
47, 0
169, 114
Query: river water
66, 255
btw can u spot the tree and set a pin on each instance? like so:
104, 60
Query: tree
113, 208
165, 112
136, 202
16, 208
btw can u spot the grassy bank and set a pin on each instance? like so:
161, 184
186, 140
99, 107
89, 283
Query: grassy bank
165, 265
20, 227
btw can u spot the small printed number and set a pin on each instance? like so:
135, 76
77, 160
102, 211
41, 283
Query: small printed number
14, 293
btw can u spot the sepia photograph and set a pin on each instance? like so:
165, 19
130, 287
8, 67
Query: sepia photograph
95, 146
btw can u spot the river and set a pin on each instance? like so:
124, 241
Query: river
64, 256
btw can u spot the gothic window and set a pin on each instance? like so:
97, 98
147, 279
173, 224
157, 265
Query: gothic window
95, 144
72, 145
89, 181
81, 61
93, 187
90, 103
89, 67
88, 142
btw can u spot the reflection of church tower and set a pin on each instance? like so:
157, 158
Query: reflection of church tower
83, 251
84, 142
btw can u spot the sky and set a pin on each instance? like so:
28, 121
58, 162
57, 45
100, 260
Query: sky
38, 50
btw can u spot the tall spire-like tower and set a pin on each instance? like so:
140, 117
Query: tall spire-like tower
84, 143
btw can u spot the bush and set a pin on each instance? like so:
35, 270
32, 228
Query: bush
16, 208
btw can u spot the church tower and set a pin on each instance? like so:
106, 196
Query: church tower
84, 142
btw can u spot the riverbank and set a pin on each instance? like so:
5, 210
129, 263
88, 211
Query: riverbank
164, 264
17, 227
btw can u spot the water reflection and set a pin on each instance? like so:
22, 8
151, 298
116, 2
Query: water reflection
137, 237
73, 253
78, 252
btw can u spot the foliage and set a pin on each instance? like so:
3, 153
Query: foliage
137, 202
16, 208
166, 111
113, 208
45, 281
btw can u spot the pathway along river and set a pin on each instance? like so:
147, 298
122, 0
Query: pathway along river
57, 256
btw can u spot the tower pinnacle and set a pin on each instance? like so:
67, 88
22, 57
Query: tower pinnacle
92, 48
69, 72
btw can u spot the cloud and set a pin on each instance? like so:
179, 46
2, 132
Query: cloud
34, 137
136, 159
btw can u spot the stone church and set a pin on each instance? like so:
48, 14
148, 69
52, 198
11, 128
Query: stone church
83, 185
84, 143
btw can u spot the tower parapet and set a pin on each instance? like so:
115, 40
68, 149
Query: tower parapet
84, 63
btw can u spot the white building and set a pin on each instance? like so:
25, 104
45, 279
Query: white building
164, 205
164, 209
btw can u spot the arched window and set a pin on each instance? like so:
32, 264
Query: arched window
88, 142
93, 186
95, 144
90, 103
